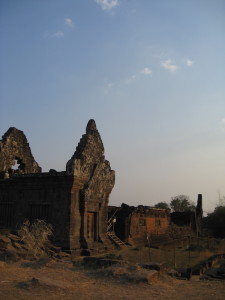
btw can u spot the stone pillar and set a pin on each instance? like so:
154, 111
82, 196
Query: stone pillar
75, 221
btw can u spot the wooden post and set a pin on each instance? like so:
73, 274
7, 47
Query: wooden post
174, 254
149, 247
189, 250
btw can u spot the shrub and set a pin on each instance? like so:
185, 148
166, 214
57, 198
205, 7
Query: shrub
215, 222
35, 237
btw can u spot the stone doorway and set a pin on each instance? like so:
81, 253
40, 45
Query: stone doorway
92, 226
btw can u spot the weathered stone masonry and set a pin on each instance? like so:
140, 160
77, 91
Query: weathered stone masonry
14, 146
74, 201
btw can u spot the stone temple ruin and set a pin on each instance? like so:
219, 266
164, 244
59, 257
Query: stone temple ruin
74, 201
134, 225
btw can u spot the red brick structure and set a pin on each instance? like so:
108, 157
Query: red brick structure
136, 223
191, 220
154, 221
74, 201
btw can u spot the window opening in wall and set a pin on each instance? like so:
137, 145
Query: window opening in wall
18, 167
157, 223
142, 222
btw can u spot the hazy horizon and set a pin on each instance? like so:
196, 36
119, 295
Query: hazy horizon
150, 73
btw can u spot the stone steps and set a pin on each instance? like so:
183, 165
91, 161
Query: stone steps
115, 239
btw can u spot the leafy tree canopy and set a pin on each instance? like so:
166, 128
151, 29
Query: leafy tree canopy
181, 203
163, 205
215, 222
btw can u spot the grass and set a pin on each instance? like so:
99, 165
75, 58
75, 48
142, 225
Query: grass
175, 255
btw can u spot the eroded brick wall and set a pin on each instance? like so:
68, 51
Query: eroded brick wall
134, 224
152, 223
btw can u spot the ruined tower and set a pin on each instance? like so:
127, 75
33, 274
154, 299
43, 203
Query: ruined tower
88, 163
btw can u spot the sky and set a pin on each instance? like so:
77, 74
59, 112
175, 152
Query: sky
151, 74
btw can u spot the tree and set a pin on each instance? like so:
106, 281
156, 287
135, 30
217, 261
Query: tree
181, 203
221, 200
215, 222
162, 205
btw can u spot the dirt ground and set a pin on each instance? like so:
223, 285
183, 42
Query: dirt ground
64, 280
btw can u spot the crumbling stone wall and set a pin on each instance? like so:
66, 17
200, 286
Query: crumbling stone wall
14, 146
44, 196
190, 219
75, 201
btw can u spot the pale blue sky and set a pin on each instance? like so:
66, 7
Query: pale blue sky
151, 74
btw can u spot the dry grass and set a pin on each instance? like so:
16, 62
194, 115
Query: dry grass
175, 255
35, 237
59, 281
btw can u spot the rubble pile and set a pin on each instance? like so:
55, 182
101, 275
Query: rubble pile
215, 273
13, 249
121, 270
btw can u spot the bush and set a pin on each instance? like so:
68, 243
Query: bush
215, 222
35, 237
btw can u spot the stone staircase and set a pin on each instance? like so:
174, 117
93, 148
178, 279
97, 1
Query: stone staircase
115, 239
111, 234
